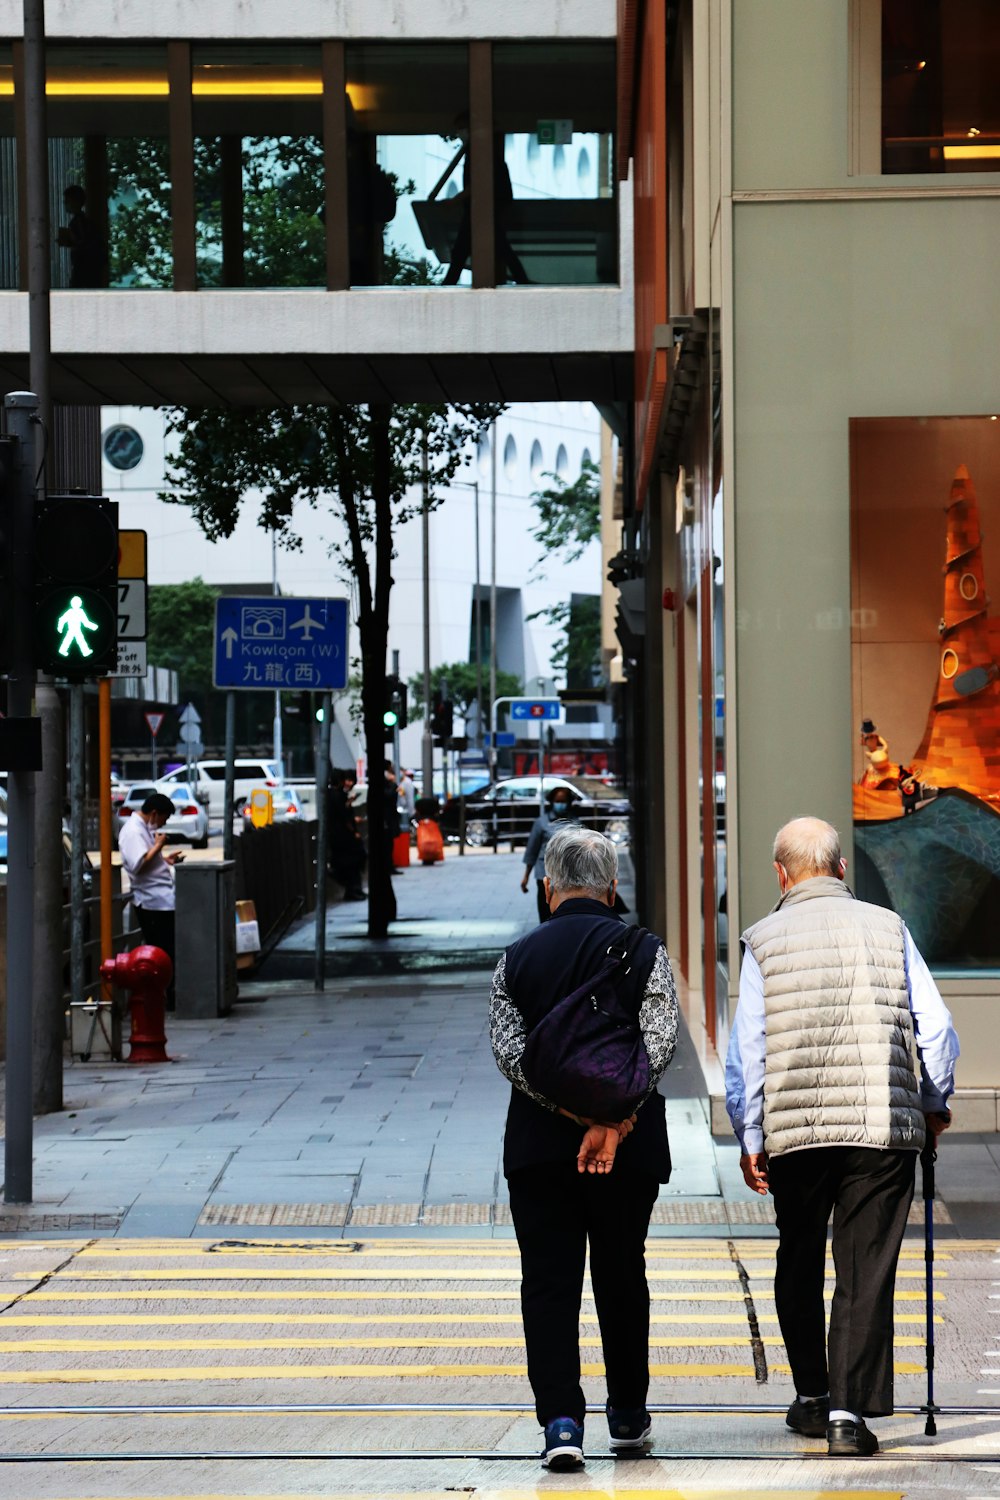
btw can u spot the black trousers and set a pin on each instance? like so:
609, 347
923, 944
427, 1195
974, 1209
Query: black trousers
557, 1211
157, 928
869, 1194
543, 916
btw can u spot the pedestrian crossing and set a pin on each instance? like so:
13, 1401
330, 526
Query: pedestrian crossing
372, 1318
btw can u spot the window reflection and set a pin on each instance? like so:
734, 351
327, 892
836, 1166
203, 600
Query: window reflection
109, 166
554, 187
940, 86
259, 166
407, 130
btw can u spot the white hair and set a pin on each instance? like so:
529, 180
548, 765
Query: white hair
807, 846
581, 859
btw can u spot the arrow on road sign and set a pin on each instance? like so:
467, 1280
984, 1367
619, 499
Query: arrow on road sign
189, 715
230, 637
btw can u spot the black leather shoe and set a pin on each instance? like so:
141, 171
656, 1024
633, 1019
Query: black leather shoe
809, 1417
850, 1440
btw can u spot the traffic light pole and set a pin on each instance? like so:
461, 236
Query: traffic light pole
19, 410
322, 839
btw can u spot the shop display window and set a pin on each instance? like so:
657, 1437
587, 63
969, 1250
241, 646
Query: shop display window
925, 633
940, 65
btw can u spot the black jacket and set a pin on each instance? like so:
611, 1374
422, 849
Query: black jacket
539, 971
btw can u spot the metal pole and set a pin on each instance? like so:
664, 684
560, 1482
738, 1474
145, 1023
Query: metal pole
493, 599
395, 732
427, 742
479, 634
104, 802
152, 755
37, 201
927, 1158
322, 782
19, 409
278, 746
77, 773
227, 795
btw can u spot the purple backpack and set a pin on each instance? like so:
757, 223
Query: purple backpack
587, 1054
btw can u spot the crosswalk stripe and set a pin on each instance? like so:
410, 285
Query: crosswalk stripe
178, 1373
153, 1346
360, 1273
50, 1294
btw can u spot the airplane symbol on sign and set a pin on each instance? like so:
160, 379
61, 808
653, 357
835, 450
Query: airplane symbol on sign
307, 625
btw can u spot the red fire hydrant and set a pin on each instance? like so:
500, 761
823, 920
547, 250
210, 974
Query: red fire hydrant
145, 972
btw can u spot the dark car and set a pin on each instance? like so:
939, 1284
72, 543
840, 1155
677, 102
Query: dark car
514, 804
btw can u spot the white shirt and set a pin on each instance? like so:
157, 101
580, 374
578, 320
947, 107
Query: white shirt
153, 885
745, 1063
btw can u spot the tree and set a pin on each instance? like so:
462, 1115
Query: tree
461, 680
181, 632
362, 461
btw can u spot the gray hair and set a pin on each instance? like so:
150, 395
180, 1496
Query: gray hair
807, 846
581, 859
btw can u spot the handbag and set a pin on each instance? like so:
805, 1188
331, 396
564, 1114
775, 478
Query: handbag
587, 1054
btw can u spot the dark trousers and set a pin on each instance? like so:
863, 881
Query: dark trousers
869, 1194
543, 916
556, 1212
157, 928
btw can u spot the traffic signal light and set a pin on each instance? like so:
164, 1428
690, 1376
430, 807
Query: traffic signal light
442, 718
394, 714
76, 586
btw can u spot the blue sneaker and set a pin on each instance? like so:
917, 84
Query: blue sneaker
563, 1444
628, 1431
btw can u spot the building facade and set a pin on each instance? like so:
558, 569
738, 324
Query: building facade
815, 442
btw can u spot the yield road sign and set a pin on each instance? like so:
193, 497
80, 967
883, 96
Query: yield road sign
154, 721
280, 643
535, 708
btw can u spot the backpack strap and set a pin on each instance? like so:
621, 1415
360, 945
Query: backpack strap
625, 952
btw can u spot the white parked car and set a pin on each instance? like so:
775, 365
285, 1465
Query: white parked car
210, 786
188, 825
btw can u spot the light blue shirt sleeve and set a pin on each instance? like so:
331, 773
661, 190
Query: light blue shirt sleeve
745, 1060
933, 1029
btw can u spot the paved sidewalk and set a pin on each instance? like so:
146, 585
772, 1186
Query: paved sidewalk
374, 1106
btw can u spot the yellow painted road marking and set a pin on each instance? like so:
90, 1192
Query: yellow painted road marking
152, 1346
453, 1249
348, 1273
602, 1494
49, 1294
396, 1320
336, 1372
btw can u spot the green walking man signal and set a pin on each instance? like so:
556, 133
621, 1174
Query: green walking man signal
72, 622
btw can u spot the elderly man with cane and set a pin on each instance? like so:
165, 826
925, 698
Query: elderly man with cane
824, 1098
577, 1181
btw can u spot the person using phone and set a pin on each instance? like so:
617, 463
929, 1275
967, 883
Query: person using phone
150, 872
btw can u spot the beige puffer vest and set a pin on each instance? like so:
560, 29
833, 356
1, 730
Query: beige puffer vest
839, 1068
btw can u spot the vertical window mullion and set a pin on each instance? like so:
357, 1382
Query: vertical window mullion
484, 269
22, 168
182, 198
335, 165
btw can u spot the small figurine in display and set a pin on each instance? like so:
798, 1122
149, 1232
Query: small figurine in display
909, 790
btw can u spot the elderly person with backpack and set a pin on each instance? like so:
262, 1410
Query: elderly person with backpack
583, 1022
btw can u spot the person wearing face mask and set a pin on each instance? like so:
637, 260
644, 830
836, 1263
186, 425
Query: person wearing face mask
552, 818
830, 1114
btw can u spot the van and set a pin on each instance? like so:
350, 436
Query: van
210, 779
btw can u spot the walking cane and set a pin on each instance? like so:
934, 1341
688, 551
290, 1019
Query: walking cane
928, 1156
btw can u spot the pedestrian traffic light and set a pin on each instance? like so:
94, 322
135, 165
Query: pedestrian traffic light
394, 713
76, 586
442, 718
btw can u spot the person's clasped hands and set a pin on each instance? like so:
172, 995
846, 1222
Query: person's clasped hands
600, 1142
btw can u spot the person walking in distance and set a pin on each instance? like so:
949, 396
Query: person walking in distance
151, 875
576, 1182
551, 819
825, 1101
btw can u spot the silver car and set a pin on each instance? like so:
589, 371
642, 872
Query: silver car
187, 825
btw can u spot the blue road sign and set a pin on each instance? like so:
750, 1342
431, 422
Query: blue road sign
292, 644
504, 740
535, 708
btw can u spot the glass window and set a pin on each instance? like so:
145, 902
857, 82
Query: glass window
407, 127
925, 508
562, 462
109, 166
554, 183
537, 463
510, 458
940, 86
9, 268
258, 163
